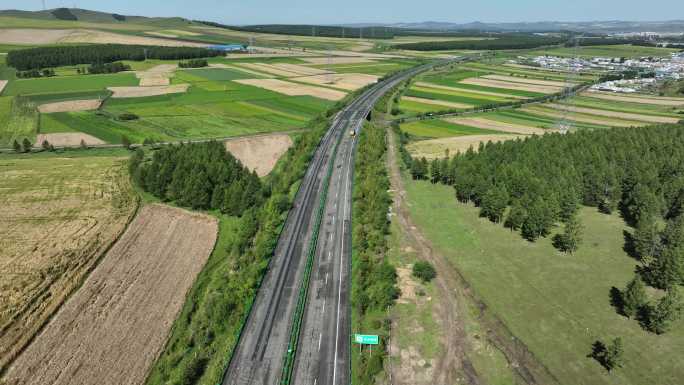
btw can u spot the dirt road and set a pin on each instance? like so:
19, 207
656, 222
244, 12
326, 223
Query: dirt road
113, 328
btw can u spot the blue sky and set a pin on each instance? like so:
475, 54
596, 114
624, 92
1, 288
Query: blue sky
352, 11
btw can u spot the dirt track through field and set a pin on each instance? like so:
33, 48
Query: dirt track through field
114, 327
615, 114
488, 124
478, 92
437, 102
3, 83
294, 89
452, 366
137, 92
635, 99
156, 76
70, 106
511, 85
260, 153
436, 148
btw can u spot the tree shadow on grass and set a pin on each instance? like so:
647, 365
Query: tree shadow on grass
629, 246
616, 300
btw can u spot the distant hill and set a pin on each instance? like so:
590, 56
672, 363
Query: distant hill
84, 15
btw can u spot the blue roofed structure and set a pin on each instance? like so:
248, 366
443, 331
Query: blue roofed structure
229, 47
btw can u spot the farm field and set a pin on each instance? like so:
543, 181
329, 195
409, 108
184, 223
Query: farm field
115, 326
607, 51
557, 304
210, 109
437, 128
60, 213
259, 153
69, 84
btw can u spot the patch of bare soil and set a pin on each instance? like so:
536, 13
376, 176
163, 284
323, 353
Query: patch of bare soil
137, 92
270, 69
488, 124
301, 70
67, 139
615, 114
114, 327
636, 99
259, 153
70, 106
512, 86
156, 76
437, 102
294, 89
437, 148
478, 92
3, 83
59, 215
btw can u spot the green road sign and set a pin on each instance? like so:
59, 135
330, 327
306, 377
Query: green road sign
365, 339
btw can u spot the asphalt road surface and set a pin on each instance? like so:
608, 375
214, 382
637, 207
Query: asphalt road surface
323, 349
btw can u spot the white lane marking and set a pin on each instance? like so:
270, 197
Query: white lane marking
324, 305
320, 337
339, 289
331, 236
315, 379
326, 278
333, 220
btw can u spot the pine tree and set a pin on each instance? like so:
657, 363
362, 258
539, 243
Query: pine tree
634, 297
647, 240
16, 146
614, 354
571, 238
494, 203
516, 217
668, 310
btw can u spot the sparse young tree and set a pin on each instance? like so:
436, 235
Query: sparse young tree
668, 310
610, 356
45, 144
571, 238
125, 142
424, 271
634, 297
16, 146
83, 144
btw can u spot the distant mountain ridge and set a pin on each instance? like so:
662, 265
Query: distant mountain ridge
610, 26
84, 15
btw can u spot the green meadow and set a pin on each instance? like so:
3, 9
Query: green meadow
435, 128
557, 304
61, 84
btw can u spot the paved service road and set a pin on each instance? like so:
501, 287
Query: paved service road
323, 350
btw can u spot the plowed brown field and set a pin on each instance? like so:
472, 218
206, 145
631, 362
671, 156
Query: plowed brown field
113, 328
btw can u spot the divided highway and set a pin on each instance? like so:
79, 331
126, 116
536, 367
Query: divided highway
323, 349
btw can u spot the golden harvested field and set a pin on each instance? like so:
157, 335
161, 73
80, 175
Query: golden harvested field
54, 36
591, 119
348, 81
114, 327
518, 79
443, 103
644, 99
260, 153
489, 124
67, 139
70, 106
294, 89
156, 76
338, 60
437, 148
137, 92
478, 92
512, 86
59, 215
614, 114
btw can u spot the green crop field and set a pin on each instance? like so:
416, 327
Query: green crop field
524, 118
435, 128
449, 96
16, 121
240, 110
69, 83
557, 304
607, 51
